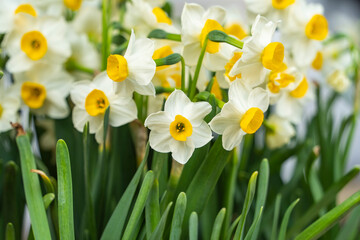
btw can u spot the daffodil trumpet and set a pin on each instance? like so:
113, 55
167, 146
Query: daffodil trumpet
220, 36
161, 34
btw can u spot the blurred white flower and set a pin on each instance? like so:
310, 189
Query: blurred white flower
44, 90
290, 104
223, 76
180, 128
135, 70
143, 18
242, 114
272, 9
279, 131
12, 13
87, 21
9, 107
38, 40
338, 80
92, 98
259, 54
303, 31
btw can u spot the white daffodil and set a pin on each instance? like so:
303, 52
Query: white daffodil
272, 9
9, 107
259, 54
135, 70
303, 31
143, 18
235, 23
92, 98
180, 128
279, 131
196, 24
242, 114
290, 104
44, 90
38, 40
12, 13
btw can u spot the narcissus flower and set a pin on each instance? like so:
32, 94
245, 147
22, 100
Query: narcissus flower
279, 131
339, 81
91, 100
180, 128
242, 114
196, 24
44, 90
303, 31
39, 40
259, 54
135, 70
9, 106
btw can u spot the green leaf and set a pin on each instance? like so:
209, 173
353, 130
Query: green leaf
193, 226
152, 209
261, 195
139, 205
285, 221
9, 196
117, 220
350, 229
327, 198
65, 195
10, 232
246, 207
32, 189
178, 217
157, 234
254, 225
320, 226
48, 199
276, 217
215, 235
232, 228
206, 177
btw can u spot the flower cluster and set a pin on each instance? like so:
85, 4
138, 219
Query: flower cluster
214, 71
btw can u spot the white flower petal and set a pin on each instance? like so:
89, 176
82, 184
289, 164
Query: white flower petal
195, 112
176, 103
161, 141
191, 53
232, 137
122, 111
259, 98
158, 121
182, 151
216, 13
201, 135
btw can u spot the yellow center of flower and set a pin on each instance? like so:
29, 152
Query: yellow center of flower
252, 120
279, 80
210, 25
180, 128
317, 28
34, 45
236, 30
33, 94
272, 56
96, 102
73, 4
25, 8
161, 53
1, 110
161, 16
318, 61
282, 4
230, 64
301, 90
117, 68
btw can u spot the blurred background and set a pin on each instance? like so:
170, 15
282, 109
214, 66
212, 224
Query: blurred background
343, 16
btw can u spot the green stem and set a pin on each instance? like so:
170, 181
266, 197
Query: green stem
182, 74
105, 24
198, 68
74, 66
